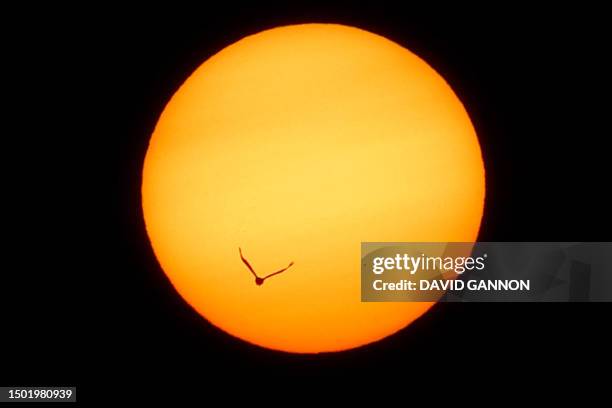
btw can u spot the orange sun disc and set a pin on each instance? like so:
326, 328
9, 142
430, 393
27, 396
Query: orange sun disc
296, 144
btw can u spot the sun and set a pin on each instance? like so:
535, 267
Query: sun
295, 145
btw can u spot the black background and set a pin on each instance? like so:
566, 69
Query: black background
84, 300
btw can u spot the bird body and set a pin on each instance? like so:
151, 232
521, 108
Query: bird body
260, 280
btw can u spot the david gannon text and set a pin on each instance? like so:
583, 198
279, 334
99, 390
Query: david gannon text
451, 284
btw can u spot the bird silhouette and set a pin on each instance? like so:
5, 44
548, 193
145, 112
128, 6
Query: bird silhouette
259, 281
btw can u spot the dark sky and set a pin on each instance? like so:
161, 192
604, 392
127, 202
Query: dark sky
86, 301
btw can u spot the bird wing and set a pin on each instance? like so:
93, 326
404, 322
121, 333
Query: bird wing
247, 263
277, 272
